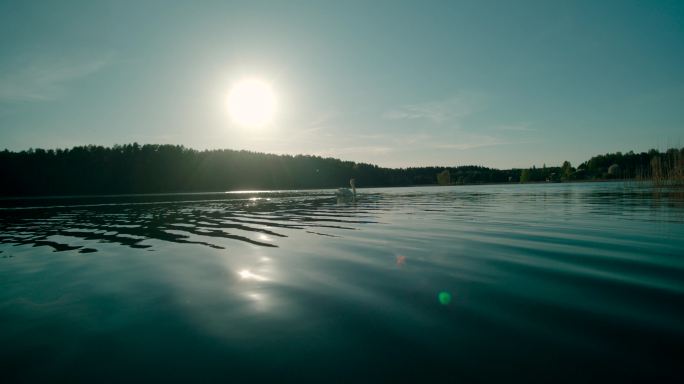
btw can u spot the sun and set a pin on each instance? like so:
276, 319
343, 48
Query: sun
251, 103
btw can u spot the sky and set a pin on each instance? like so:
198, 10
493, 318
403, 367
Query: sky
394, 83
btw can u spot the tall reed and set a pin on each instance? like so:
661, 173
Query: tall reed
668, 169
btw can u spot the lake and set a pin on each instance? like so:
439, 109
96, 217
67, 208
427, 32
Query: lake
544, 282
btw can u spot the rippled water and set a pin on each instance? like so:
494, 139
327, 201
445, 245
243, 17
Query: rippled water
553, 282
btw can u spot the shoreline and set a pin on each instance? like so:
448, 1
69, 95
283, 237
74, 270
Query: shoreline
276, 191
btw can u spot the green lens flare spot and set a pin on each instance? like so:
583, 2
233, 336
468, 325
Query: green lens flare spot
444, 298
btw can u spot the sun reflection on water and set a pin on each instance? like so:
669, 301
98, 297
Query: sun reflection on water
263, 237
245, 274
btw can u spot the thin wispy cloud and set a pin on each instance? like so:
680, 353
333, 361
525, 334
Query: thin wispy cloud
473, 142
356, 150
41, 80
319, 123
524, 127
323, 119
438, 111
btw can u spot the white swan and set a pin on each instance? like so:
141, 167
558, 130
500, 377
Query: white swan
345, 195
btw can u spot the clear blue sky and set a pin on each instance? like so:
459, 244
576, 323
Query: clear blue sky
502, 83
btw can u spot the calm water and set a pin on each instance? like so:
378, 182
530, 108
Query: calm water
554, 282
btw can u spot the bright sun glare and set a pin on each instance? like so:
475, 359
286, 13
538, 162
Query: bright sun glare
251, 103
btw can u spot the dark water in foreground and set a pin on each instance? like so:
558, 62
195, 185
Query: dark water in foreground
560, 282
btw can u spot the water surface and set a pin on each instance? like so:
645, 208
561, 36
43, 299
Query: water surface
549, 282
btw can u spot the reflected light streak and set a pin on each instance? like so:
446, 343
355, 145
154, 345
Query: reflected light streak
255, 296
245, 274
263, 237
259, 301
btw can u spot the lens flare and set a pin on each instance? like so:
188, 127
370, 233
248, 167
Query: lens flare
444, 298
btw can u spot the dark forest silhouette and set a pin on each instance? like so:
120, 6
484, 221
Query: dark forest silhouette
134, 168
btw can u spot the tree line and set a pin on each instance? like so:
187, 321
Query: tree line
652, 165
151, 168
